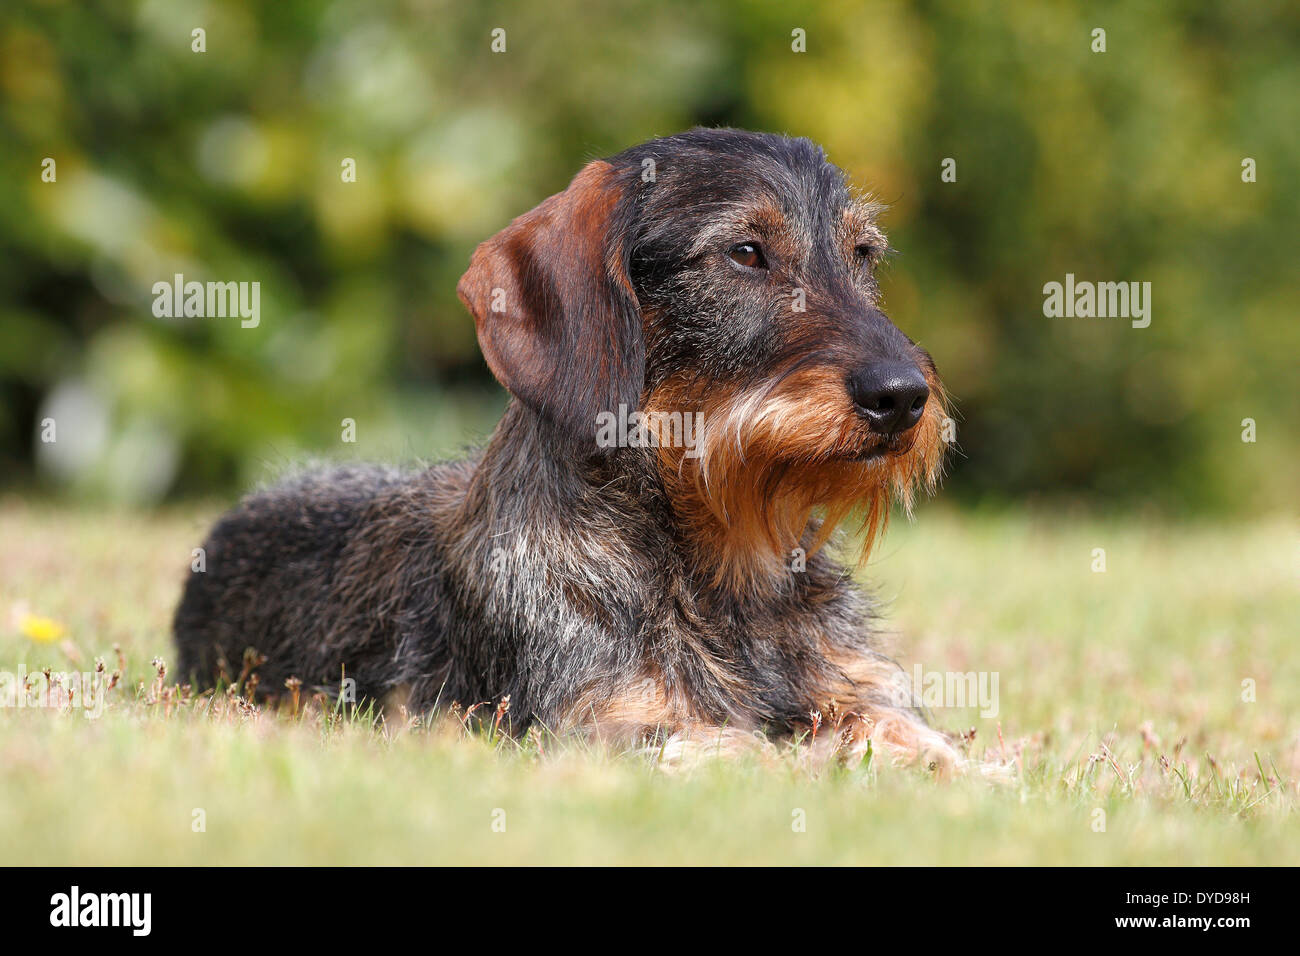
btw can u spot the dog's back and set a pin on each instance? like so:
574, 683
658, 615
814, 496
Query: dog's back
270, 576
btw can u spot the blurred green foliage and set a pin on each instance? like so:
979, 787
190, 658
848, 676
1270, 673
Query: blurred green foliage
225, 165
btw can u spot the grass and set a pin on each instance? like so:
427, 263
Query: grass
1119, 692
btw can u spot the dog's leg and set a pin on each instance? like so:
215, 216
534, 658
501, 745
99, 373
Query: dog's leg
869, 705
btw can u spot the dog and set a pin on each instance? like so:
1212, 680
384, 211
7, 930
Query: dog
712, 293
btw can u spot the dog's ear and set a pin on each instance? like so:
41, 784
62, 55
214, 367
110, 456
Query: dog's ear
557, 318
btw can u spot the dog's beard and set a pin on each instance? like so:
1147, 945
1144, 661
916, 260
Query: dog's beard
781, 468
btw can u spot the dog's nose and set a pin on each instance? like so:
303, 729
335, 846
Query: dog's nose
890, 395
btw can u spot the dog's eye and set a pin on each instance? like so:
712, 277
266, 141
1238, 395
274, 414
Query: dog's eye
748, 254
865, 251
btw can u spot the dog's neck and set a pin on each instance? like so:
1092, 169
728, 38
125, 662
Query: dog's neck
529, 461
531, 480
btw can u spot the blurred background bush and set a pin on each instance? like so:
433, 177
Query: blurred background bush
225, 165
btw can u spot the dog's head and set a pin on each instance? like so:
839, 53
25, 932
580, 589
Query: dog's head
727, 277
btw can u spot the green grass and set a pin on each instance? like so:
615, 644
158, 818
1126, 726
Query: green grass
1101, 675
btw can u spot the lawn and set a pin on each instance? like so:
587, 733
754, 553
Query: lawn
1146, 714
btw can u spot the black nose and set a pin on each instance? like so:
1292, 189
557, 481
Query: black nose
890, 395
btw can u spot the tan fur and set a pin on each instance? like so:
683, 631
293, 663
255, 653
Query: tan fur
637, 713
776, 465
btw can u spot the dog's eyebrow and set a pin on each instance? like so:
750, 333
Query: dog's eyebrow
861, 215
731, 218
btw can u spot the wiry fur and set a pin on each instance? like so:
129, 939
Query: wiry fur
639, 594
774, 462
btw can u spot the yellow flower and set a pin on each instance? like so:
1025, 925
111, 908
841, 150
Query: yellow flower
40, 629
